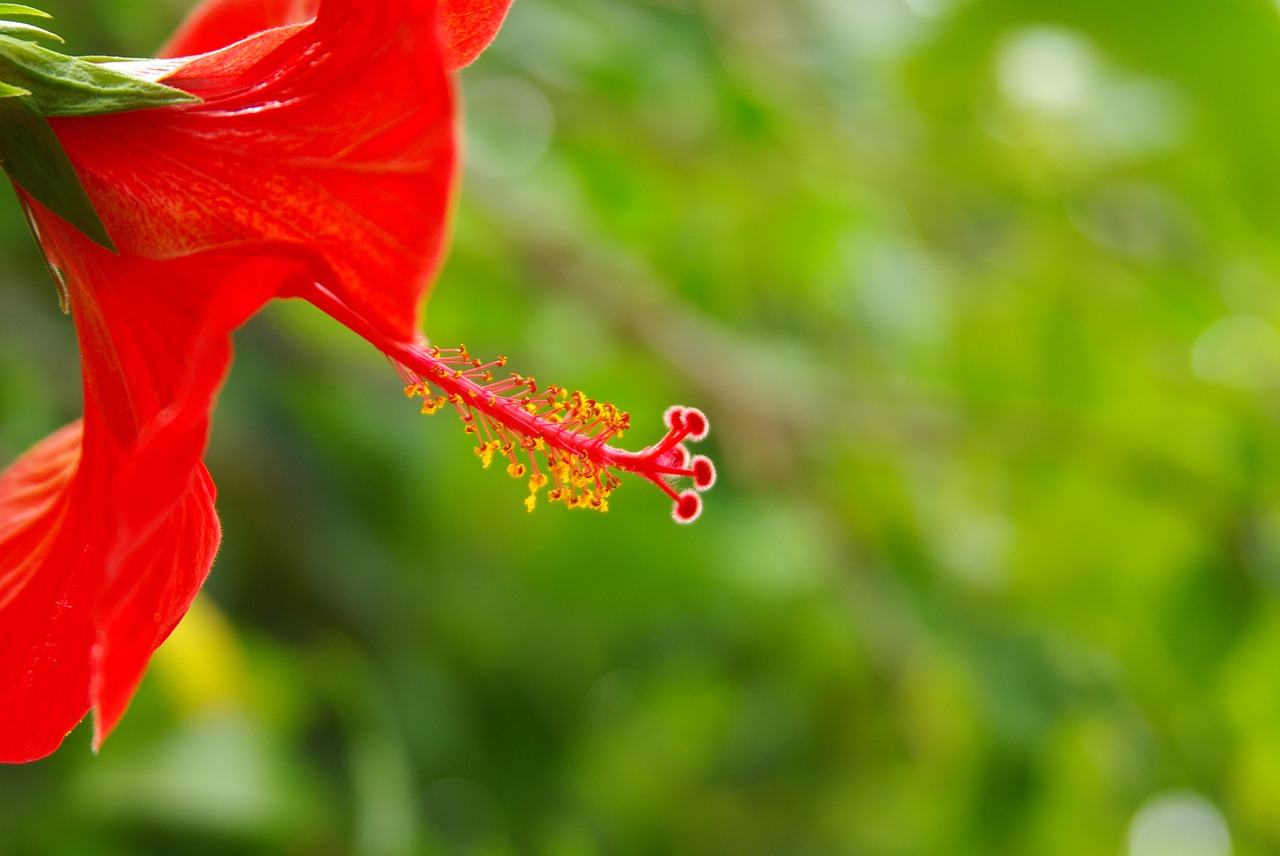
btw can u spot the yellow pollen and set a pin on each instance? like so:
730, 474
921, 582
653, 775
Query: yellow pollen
485, 452
536, 482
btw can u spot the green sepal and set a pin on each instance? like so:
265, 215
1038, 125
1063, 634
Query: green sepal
7, 91
33, 157
69, 86
20, 10
27, 31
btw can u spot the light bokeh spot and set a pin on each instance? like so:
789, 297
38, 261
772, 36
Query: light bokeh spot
1178, 823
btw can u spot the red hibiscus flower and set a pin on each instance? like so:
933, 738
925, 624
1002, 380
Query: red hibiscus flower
319, 163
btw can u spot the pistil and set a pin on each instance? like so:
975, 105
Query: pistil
560, 440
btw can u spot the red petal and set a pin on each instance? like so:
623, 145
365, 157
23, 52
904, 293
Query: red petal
68, 642
338, 144
466, 26
101, 554
44, 649
215, 24
151, 580
321, 153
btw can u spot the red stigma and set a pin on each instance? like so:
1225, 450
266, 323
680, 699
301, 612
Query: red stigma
704, 472
687, 508
695, 424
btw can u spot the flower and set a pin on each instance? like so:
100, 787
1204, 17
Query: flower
319, 163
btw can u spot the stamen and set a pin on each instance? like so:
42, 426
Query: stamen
567, 432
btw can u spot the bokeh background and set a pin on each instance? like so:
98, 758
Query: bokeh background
981, 297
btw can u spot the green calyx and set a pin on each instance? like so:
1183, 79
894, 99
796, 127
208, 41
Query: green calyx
37, 83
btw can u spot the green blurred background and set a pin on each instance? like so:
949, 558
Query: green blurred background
981, 297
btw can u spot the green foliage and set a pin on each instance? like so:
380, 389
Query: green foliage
981, 297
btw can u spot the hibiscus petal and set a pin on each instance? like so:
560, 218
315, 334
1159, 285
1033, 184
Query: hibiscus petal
44, 649
215, 24
107, 538
150, 583
65, 645
321, 153
466, 26
339, 142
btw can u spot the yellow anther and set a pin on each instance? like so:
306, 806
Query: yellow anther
485, 452
515, 469
536, 482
